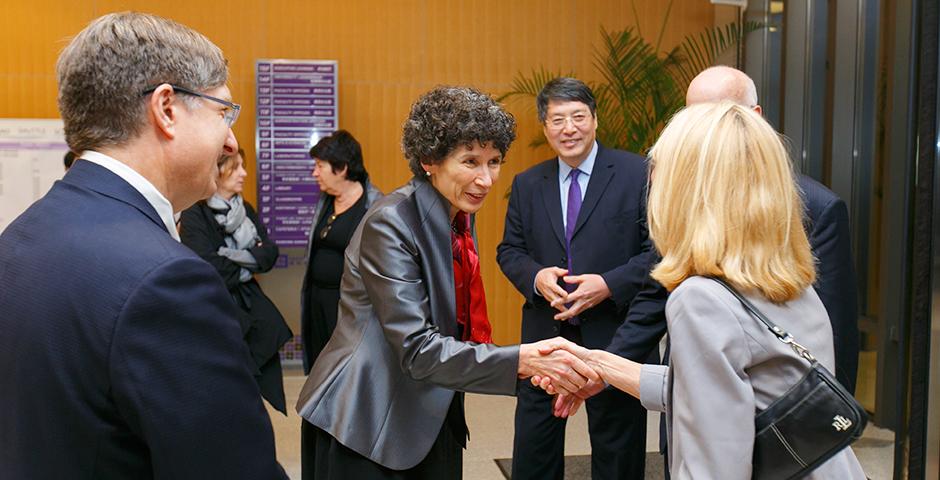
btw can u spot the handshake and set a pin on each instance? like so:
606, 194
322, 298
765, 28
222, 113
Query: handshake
565, 369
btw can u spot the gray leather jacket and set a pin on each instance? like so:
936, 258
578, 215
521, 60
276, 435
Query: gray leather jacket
383, 384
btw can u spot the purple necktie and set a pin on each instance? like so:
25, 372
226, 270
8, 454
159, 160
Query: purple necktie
574, 207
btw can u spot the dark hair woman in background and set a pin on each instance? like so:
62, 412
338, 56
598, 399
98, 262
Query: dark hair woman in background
225, 231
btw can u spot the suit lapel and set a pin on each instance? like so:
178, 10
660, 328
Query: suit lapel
600, 177
94, 177
434, 226
551, 197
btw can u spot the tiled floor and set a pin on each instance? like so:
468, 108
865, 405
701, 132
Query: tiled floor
490, 419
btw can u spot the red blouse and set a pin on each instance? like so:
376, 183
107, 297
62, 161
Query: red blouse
468, 284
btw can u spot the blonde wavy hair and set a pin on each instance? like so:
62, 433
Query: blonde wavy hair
723, 203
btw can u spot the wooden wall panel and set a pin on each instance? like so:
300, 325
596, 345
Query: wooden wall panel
389, 52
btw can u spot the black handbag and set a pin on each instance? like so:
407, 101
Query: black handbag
807, 425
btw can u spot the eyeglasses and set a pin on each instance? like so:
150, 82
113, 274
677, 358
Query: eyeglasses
579, 119
326, 229
230, 113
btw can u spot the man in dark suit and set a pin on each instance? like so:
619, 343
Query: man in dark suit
121, 354
574, 228
827, 226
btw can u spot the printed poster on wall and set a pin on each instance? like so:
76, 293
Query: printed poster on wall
296, 107
31, 152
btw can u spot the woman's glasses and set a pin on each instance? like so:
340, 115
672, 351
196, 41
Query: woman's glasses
326, 229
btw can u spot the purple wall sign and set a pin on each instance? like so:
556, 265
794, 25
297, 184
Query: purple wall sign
297, 105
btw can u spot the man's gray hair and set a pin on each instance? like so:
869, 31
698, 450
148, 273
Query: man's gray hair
104, 70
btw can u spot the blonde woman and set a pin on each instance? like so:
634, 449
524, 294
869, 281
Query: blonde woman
723, 204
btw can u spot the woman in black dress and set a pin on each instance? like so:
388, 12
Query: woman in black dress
225, 231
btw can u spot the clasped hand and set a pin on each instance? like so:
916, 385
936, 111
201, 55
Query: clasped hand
591, 290
568, 401
553, 361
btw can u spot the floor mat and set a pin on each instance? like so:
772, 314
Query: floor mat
578, 467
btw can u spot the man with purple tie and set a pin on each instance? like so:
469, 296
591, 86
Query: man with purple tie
578, 272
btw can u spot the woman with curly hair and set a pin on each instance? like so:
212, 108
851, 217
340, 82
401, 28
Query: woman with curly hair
385, 396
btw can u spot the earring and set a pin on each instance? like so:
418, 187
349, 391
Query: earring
427, 173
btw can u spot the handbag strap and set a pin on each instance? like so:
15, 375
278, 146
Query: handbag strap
778, 332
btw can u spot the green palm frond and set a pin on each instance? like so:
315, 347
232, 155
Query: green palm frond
639, 91
642, 87
698, 52
529, 87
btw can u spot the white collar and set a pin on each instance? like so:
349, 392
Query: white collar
141, 184
586, 166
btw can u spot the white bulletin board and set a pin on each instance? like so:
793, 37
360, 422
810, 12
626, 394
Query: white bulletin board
31, 152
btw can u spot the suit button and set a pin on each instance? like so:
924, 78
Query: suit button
555, 329
564, 260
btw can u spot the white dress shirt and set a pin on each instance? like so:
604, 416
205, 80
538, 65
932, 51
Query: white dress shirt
586, 167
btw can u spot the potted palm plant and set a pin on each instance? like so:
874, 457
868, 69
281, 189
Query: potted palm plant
642, 86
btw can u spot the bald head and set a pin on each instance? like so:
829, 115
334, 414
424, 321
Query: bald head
718, 84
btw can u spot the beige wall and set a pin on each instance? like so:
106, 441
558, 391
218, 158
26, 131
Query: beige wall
388, 51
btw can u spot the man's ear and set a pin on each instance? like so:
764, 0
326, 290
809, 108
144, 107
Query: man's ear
163, 107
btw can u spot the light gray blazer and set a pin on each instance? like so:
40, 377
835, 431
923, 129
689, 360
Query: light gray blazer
724, 366
384, 382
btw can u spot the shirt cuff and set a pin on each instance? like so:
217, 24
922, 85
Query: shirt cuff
653, 387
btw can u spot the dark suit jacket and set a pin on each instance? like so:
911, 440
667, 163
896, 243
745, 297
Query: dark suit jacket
120, 352
263, 326
609, 234
827, 227
383, 384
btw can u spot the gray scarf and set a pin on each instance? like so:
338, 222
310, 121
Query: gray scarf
240, 233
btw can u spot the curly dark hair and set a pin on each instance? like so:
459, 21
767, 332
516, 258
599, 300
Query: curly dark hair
448, 117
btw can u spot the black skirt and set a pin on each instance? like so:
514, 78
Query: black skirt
333, 461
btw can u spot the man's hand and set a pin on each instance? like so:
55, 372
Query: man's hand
592, 289
546, 282
566, 405
567, 372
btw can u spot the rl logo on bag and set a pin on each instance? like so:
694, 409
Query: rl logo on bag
841, 423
